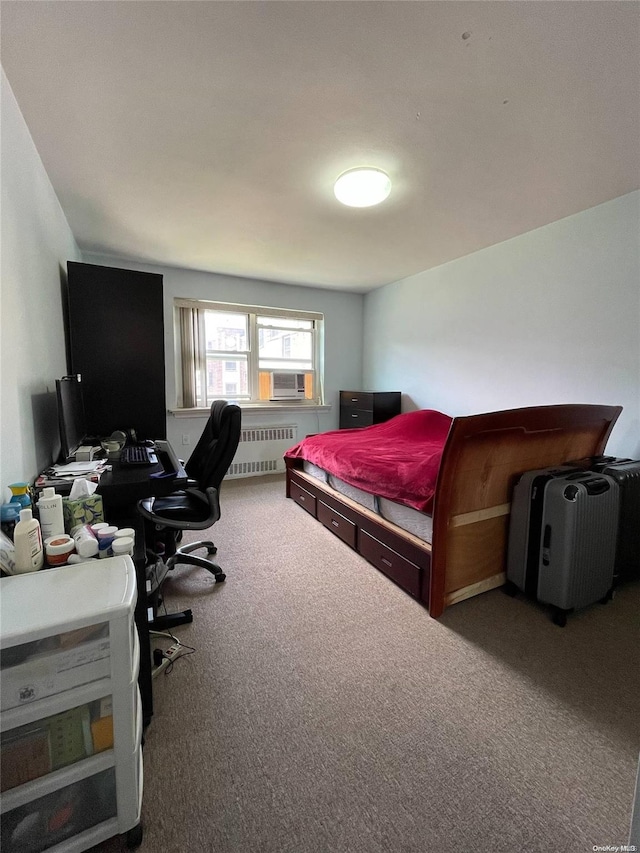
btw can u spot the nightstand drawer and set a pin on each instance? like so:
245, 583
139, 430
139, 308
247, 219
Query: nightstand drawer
357, 399
355, 418
338, 524
304, 498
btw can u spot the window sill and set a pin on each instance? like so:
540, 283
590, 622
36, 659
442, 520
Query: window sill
256, 408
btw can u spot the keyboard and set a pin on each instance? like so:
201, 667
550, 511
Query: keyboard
137, 454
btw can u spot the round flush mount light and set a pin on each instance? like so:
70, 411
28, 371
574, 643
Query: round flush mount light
362, 187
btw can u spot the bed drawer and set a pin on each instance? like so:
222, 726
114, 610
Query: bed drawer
398, 568
338, 524
304, 498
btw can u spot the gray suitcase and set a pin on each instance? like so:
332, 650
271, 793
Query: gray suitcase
578, 542
525, 527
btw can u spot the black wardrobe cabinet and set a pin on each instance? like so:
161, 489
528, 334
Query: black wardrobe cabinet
115, 340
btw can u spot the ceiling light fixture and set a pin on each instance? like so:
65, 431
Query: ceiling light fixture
362, 187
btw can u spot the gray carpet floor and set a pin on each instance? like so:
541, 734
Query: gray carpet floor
324, 711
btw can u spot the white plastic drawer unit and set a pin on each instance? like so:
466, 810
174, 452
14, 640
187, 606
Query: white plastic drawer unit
70, 742
55, 627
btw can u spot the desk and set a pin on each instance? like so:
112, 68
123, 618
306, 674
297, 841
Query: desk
125, 485
121, 489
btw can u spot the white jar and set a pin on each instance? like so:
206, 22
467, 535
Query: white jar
105, 540
126, 533
58, 549
122, 545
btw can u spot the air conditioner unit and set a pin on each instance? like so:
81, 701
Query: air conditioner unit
287, 386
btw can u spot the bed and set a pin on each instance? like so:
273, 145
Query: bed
452, 545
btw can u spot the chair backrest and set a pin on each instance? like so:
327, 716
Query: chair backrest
214, 452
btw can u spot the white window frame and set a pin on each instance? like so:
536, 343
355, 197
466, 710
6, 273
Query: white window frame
252, 312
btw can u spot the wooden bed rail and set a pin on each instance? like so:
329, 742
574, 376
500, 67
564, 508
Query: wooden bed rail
483, 456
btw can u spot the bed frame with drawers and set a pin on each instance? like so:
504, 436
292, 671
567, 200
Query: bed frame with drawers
483, 456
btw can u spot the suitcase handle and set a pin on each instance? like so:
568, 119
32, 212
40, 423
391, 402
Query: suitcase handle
546, 545
597, 486
593, 485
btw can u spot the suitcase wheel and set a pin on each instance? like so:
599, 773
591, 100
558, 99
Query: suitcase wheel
510, 589
559, 617
607, 598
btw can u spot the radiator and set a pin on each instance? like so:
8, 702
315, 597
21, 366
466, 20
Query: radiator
260, 450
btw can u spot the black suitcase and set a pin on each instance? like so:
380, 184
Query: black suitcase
626, 473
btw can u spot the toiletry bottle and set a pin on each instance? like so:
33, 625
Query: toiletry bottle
9, 517
122, 546
105, 538
86, 542
27, 539
58, 549
20, 494
50, 510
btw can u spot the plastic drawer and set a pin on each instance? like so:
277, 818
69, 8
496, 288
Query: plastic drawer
61, 662
54, 741
60, 815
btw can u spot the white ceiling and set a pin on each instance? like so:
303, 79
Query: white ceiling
208, 135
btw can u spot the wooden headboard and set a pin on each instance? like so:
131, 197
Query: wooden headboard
483, 457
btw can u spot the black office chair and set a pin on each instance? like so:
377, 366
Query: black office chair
197, 506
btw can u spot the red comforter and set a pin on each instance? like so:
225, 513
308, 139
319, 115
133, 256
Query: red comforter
398, 459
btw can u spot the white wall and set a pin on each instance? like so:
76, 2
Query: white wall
552, 316
342, 347
36, 243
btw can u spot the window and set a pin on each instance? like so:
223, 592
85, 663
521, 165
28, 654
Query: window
237, 350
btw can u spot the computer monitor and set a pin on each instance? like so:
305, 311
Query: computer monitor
71, 420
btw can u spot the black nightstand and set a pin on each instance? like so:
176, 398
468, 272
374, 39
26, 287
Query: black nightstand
364, 408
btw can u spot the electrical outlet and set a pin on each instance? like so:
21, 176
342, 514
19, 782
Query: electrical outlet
186, 438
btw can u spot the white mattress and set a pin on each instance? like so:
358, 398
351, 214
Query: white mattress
365, 498
412, 520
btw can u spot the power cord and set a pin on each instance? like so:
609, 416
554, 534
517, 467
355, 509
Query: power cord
163, 659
